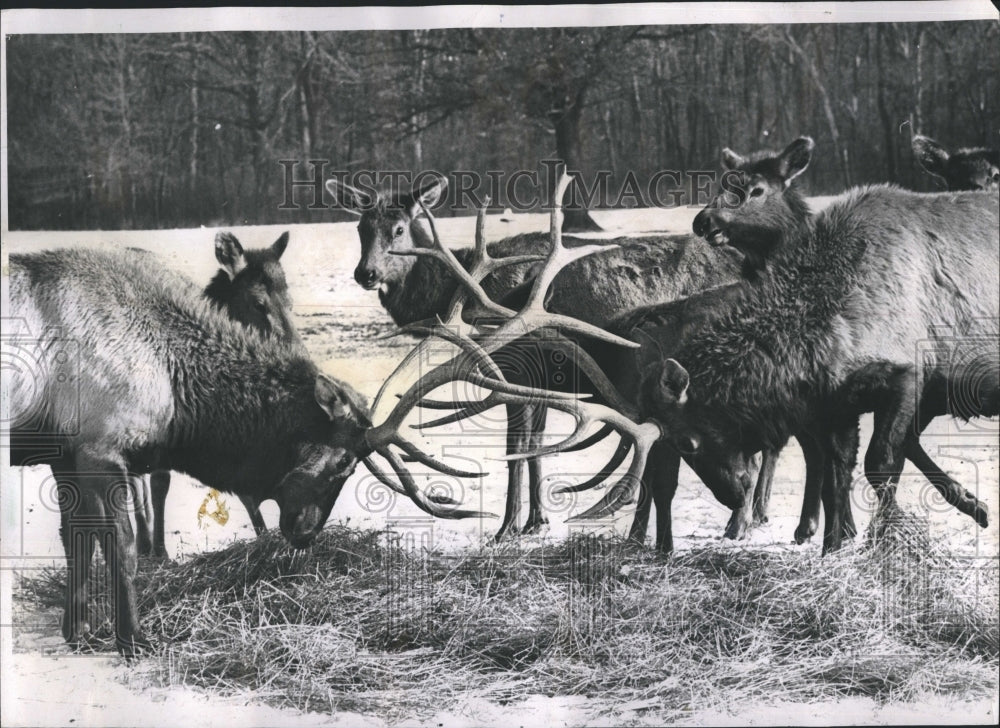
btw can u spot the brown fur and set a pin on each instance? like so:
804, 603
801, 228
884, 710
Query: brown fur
834, 330
594, 289
157, 379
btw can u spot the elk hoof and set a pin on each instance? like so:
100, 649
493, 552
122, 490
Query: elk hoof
533, 526
737, 527
981, 514
804, 532
974, 508
507, 532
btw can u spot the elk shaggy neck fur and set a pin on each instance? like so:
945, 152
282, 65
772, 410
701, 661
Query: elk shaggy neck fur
881, 271
191, 371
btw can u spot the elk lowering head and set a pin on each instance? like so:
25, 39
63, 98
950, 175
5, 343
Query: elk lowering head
701, 437
331, 441
251, 288
756, 209
966, 169
388, 225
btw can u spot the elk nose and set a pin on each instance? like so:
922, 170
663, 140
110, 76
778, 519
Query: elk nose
365, 276
700, 225
307, 522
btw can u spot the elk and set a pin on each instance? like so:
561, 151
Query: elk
250, 288
758, 212
159, 379
626, 274
830, 333
966, 169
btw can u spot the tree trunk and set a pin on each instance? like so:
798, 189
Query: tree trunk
883, 107
566, 122
831, 121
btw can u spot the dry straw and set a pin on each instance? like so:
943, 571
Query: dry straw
358, 623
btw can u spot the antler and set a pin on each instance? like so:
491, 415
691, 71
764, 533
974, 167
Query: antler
473, 364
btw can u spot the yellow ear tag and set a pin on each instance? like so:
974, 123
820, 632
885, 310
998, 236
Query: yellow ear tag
219, 512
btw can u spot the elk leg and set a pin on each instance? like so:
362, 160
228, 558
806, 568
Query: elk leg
665, 463
120, 555
815, 464
159, 485
949, 488
640, 521
518, 436
844, 455
762, 495
143, 503
893, 423
253, 509
79, 508
739, 523
536, 515
837, 467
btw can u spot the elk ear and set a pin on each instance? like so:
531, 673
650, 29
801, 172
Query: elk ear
279, 245
348, 198
429, 193
674, 381
335, 399
931, 155
229, 253
731, 160
795, 158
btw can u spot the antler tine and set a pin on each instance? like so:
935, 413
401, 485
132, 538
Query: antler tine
621, 452
534, 316
481, 252
470, 409
470, 284
411, 490
642, 436
388, 482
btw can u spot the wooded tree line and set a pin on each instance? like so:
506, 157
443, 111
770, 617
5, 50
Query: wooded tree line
181, 129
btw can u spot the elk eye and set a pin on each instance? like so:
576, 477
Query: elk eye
398, 231
344, 462
756, 191
688, 444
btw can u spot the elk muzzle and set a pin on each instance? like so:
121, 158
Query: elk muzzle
300, 530
367, 278
708, 225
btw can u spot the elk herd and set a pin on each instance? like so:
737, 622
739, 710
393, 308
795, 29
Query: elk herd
770, 322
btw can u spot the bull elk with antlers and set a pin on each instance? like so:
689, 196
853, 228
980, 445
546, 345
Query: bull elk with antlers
158, 379
620, 276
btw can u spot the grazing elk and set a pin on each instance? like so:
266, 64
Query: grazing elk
161, 380
831, 333
630, 272
250, 288
758, 212
966, 169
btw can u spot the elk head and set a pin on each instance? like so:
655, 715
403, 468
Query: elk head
966, 169
388, 225
696, 432
251, 286
756, 208
333, 442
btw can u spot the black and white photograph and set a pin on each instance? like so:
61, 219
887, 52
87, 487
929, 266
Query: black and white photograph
541, 366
